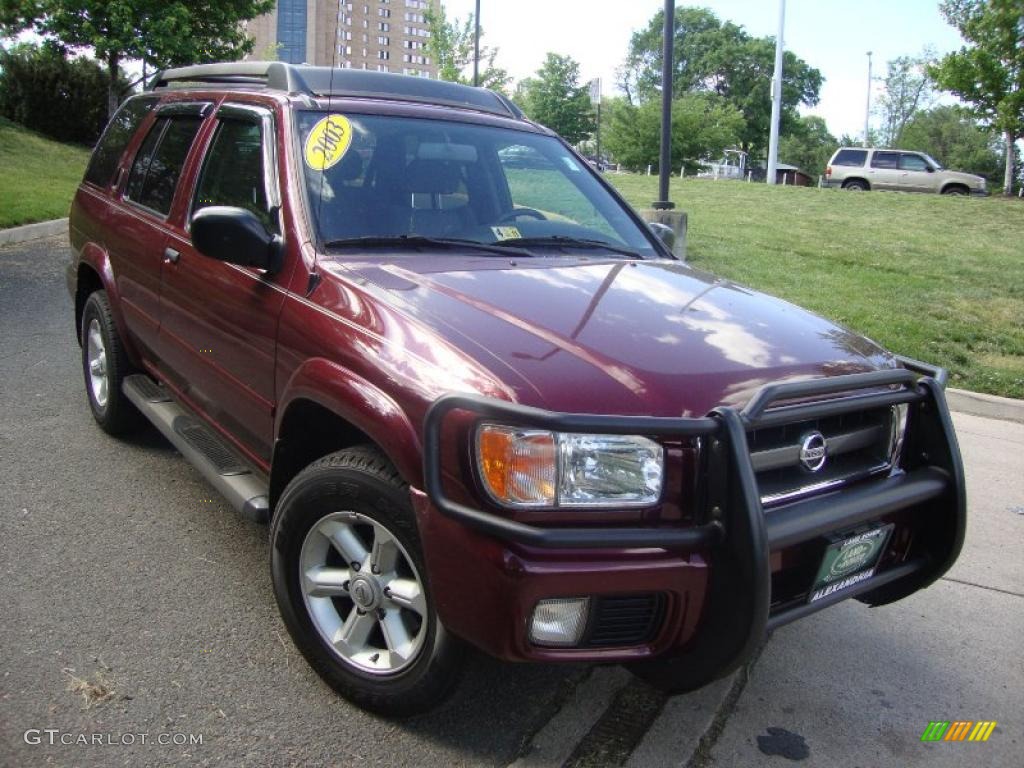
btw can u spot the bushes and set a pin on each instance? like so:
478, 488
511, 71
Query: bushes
42, 89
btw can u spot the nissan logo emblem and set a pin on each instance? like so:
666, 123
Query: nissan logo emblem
813, 451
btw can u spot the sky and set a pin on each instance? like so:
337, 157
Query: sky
832, 35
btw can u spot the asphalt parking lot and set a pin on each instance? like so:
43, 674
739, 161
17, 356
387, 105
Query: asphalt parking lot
136, 602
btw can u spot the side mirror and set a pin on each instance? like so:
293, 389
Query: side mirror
664, 233
930, 169
237, 236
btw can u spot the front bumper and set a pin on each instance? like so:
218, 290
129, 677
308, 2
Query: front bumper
718, 575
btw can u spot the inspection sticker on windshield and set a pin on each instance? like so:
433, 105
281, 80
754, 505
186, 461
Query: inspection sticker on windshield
506, 233
328, 142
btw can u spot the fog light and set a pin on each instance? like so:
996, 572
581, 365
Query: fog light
559, 621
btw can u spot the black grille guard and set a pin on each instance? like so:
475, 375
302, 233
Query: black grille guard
735, 533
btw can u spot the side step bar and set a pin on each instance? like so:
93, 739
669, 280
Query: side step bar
204, 449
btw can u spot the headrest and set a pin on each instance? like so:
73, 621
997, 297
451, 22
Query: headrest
350, 167
436, 177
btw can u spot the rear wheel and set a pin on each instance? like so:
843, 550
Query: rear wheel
105, 364
856, 185
351, 585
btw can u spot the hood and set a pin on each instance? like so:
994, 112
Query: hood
970, 179
625, 337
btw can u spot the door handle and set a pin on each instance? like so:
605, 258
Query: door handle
171, 256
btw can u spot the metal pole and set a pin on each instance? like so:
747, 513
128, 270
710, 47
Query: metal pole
773, 136
665, 165
599, 135
476, 46
867, 109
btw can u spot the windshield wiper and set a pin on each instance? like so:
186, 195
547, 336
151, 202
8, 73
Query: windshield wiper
418, 241
561, 241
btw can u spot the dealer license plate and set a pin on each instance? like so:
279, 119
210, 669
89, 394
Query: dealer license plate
849, 560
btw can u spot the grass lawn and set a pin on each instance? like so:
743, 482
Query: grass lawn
936, 278
38, 176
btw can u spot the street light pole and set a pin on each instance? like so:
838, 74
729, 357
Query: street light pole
476, 46
867, 109
773, 136
665, 170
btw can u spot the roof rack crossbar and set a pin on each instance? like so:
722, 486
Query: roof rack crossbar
319, 81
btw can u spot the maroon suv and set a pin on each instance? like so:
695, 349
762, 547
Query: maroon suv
476, 397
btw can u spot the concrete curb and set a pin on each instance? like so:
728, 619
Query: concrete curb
33, 231
988, 406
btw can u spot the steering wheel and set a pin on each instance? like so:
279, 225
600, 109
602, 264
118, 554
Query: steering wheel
515, 213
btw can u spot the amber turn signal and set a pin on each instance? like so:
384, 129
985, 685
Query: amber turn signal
518, 467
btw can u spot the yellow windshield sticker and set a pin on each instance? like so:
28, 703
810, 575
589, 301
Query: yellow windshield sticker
506, 233
328, 142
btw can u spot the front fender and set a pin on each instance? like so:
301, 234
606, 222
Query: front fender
362, 405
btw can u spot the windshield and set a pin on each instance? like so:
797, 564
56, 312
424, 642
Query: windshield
935, 163
381, 177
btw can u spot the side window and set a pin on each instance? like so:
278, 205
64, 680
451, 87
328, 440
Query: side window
851, 157
157, 167
885, 160
913, 163
232, 172
114, 140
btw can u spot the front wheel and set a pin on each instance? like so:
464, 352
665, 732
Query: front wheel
957, 191
351, 584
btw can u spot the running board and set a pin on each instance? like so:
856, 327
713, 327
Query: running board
204, 449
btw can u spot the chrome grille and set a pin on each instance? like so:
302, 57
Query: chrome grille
857, 445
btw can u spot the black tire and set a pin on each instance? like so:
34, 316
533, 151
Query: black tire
956, 191
116, 415
359, 480
856, 185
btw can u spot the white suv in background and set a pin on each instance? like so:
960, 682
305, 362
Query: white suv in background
862, 168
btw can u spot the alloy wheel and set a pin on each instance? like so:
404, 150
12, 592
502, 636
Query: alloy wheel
363, 593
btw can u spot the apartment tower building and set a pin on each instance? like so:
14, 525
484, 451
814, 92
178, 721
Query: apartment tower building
381, 35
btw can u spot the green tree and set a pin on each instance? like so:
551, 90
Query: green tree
719, 57
556, 98
808, 145
908, 88
703, 125
988, 72
955, 140
45, 90
159, 32
450, 45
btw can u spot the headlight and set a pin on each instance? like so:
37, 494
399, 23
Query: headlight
535, 468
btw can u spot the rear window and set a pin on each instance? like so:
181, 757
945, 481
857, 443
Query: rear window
115, 138
850, 157
158, 164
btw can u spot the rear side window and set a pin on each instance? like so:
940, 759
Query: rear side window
233, 170
115, 138
850, 157
157, 167
885, 160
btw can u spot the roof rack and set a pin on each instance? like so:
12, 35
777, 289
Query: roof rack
322, 81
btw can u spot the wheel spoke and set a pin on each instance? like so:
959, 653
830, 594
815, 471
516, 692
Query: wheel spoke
352, 636
384, 556
396, 636
323, 581
344, 539
407, 593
